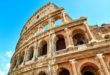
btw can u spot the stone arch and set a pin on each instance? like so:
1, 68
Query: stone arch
79, 37
60, 42
45, 25
42, 73
30, 53
21, 58
14, 62
43, 48
89, 68
63, 71
58, 20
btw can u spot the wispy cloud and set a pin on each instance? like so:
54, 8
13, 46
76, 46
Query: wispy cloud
2, 72
5, 63
8, 65
9, 54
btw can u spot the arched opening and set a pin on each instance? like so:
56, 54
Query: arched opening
60, 43
42, 73
43, 48
14, 61
58, 22
30, 53
88, 73
46, 27
107, 36
21, 58
64, 72
89, 69
79, 39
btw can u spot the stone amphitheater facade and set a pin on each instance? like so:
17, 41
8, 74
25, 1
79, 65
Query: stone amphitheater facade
69, 48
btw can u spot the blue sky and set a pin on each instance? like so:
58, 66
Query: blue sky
15, 13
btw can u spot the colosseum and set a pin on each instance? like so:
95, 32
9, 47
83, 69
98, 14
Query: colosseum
52, 43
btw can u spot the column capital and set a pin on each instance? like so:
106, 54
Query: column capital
103, 64
64, 16
66, 28
72, 61
100, 55
74, 69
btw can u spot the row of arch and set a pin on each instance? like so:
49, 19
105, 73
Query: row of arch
90, 69
60, 44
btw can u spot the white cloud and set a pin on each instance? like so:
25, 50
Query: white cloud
2, 72
9, 54
8, 65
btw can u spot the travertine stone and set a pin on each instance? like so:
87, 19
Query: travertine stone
74, 69
104, 67
65, 43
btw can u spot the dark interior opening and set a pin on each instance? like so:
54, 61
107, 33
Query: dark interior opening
44, 50
14, 62
89, 70
37, 16
107, 37
31, 52
64, 72
21, 58
60, 44
88, 73
78, 39
42, 73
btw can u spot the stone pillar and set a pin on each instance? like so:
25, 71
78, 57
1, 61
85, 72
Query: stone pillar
35, 51
103, 65
55, 68
53, 48
50, 45
100, 71
17, 63
68, 38
89, 32
51, 24
73, 67
25, 56
64, 16
52, 69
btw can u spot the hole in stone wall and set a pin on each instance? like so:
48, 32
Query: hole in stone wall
107, 36
89, 70
14, 61
60, 43
46, 27
42, 73
58, 22
79, 39
21, 58
88, 73
30, 53
64, 72
43, 49
37, 16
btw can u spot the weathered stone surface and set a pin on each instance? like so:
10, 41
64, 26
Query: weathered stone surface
71, 48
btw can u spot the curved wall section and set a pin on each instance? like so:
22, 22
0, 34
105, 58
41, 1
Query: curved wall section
51, 43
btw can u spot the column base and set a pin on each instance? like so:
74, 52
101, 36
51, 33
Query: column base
93, 41
70, 47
